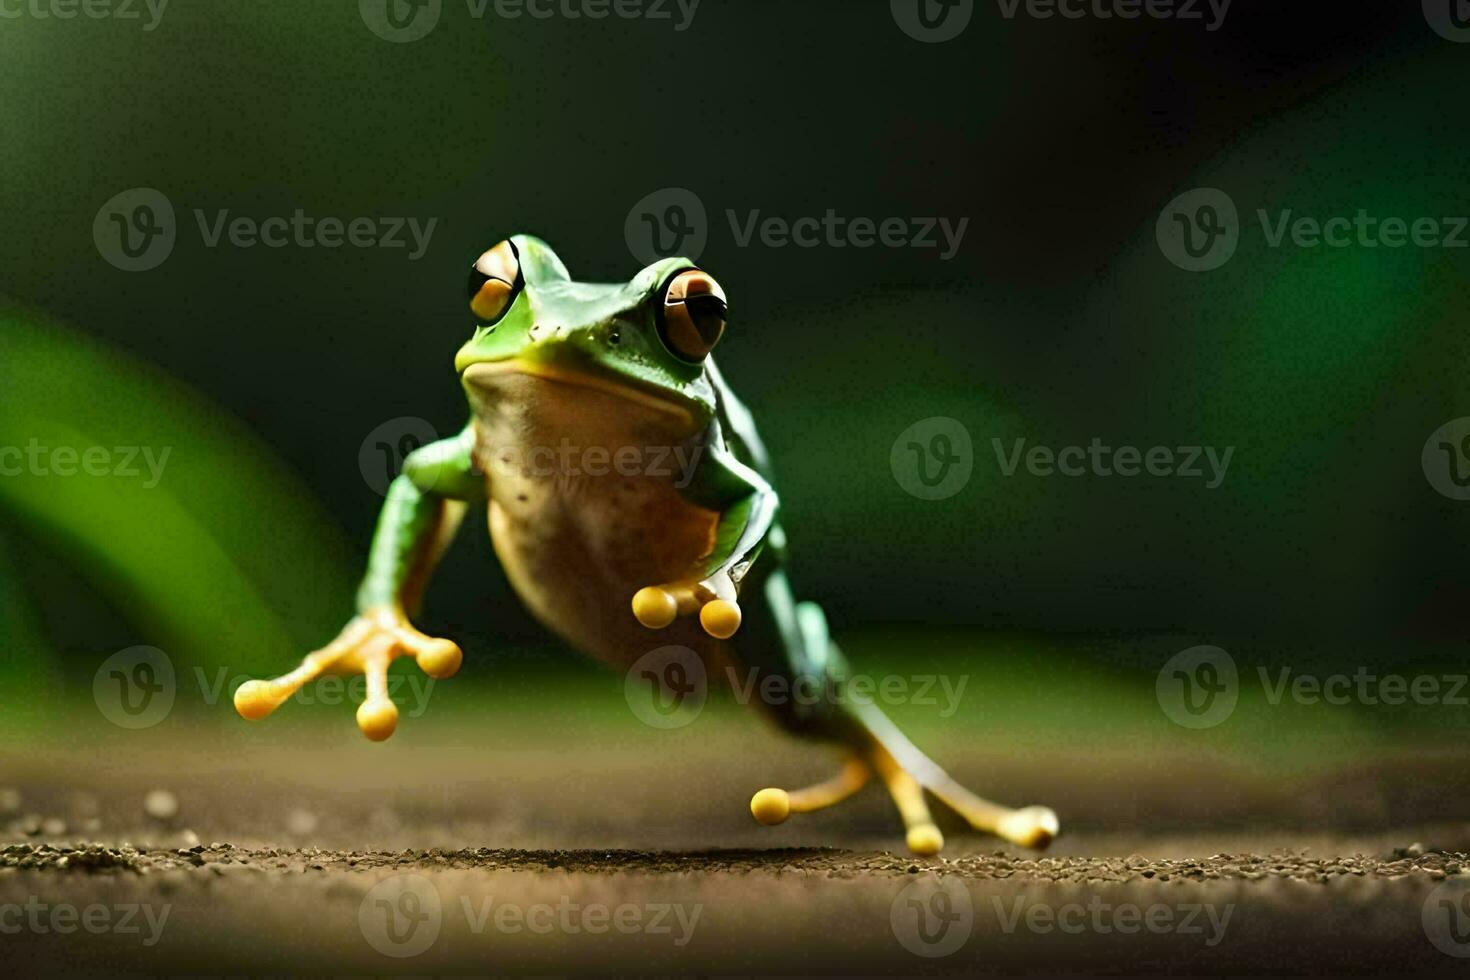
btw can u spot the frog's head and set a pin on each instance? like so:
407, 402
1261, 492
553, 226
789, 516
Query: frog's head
645, 341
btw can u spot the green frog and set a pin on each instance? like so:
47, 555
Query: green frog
573, 389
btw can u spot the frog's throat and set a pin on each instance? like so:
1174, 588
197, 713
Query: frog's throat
485, 370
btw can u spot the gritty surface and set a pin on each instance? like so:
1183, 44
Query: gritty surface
1001, 865
437, 854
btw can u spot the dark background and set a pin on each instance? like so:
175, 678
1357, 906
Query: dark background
1059, 319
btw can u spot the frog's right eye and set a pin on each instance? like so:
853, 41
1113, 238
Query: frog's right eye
495, 278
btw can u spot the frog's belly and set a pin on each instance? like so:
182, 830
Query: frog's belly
578, 536
576, 553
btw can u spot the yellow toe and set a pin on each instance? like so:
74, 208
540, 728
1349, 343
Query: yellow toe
925, 840
441, 659
254, 700
770, 806
655, 607
377, 719
720, 618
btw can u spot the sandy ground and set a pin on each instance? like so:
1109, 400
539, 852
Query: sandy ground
535, 852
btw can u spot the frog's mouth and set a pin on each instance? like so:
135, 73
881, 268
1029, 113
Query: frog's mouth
484, 374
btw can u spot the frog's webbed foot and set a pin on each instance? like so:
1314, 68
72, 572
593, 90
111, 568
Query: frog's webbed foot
367, 645
1032, 826
656, 606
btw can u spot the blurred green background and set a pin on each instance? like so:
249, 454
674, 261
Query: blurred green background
263, 371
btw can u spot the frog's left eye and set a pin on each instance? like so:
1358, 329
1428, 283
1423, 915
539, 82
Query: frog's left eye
495, 278
692, 319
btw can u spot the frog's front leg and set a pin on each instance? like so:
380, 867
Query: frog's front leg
748, 507
420, 516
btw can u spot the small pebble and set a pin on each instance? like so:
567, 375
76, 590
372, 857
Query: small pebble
9, 801
160, 804
53, 826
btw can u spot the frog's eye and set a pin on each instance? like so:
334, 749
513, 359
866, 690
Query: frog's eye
692, 318
494, 280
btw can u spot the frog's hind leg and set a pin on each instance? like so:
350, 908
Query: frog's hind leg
772, 806
1031, 826
877, 746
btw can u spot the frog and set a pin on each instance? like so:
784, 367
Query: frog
616, 560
